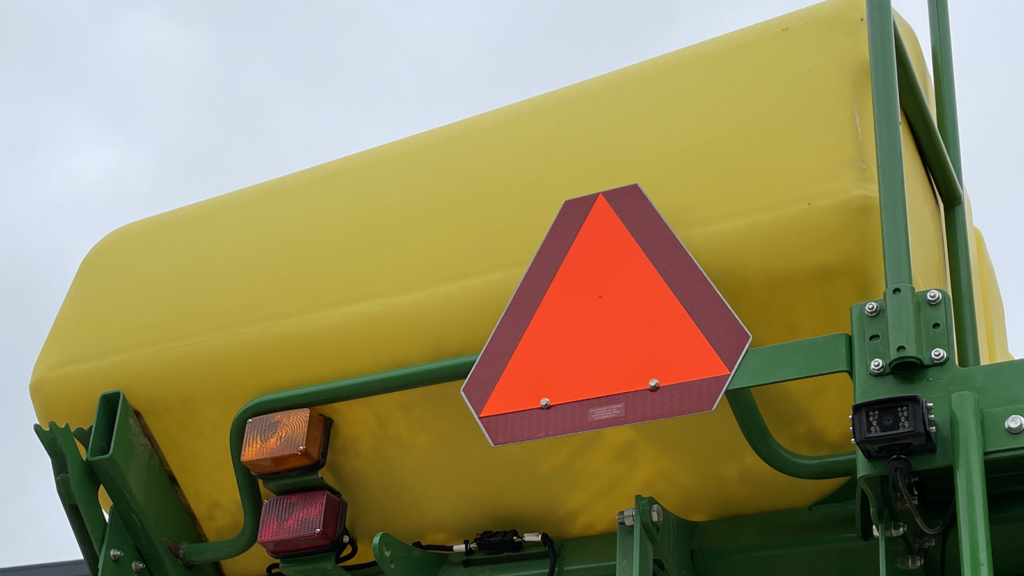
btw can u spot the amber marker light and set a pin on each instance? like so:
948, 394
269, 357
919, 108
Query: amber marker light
283, 441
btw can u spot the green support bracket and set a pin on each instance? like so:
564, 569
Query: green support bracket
652, 540
135, 479
119, 556
971, 492
396, 558
78, 490
901, 323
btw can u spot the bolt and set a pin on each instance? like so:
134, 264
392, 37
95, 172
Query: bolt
115, 554
931, 417
872, 308
877, 366
929, 405
625, 517
267, 501
345, 539
853, 440
934, 297
896, 529
1015, 424
938, 355
932, 429
653, 385
850, 417
922, 543
316, 531
657, 514
901, 502
545, 403
249, 421
138, 566
302, 448
909, 562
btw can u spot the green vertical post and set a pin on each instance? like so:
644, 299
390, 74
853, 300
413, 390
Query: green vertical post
892, 197
957, 231
971, 493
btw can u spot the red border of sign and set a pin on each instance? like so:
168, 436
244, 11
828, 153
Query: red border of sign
684, 277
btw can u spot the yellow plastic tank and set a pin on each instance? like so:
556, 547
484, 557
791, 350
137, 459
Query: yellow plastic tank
756, 146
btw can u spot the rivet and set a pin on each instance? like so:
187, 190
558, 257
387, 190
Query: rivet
1015, 424
115, 554
877, 366
934, 297
545, 403
653, 384
938, 355
872, 308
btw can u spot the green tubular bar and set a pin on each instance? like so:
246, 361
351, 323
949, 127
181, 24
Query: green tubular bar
945, 90
971, 492
947, 183
760, 438
781, 363
926, 132
966, 326
315, 395
892, 196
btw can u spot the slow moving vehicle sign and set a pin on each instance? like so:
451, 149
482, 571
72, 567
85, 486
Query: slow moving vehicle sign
613, 323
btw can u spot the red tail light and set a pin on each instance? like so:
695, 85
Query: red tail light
298, 523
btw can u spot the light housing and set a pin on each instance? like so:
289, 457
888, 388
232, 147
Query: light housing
301, 523
892, 426
285, 441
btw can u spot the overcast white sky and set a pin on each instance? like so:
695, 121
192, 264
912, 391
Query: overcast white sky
111, 112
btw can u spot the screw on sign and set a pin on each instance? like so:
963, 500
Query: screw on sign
614, 323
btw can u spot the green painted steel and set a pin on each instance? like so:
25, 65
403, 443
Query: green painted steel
118, 539
971, 492
926, 132
135, 479
946, 177
78, 490
793, 361
945, 87
315, 395
760, 438
316, 565
892, 195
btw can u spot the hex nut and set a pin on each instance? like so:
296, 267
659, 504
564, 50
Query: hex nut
877, 366
1015, 424
872, 308
545, 403
653, 384
933, 297
138, 566
625, 518
939, 355
115, 554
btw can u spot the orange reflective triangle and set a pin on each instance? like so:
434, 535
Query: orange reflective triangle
607, 324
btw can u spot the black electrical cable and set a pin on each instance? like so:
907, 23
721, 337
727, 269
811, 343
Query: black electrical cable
433, 547
340, 558
899, 466
552, 553
272, 567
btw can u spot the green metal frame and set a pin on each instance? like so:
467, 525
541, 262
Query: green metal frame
978, 465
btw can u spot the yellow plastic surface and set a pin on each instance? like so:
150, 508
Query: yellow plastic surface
758, 149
